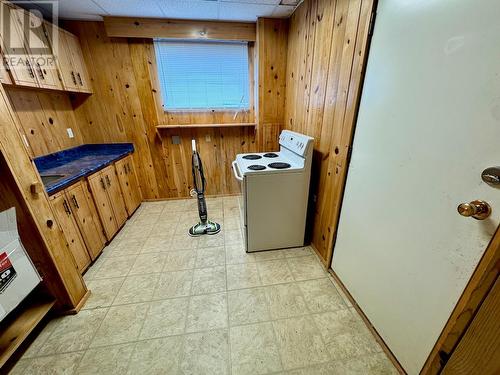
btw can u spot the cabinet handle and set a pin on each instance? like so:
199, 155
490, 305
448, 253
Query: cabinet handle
103, 184
79, 79
40, 71
73, 77
66, 207
75, 202
30, 69
108, 181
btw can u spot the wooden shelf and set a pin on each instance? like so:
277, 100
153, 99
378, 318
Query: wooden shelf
198, 126
17, 326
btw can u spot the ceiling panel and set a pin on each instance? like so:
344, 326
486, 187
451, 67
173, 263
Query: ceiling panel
244, 11
208, 10
268, 2
283, 11
131, 8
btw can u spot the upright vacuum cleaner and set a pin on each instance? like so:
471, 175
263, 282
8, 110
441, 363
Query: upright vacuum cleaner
205, 226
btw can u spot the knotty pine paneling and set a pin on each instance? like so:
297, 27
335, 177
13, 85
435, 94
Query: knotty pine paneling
327, 45
126, 106
43, 118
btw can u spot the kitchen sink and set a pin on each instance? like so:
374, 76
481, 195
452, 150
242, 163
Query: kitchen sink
50, 178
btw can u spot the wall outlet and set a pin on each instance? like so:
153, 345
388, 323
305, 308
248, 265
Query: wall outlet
176, 140
208, 138
70, 132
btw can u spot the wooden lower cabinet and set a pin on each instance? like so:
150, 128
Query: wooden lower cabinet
70, 229
129, 184
87, 218
109, 200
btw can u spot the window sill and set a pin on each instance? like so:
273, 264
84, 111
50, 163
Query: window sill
197, 126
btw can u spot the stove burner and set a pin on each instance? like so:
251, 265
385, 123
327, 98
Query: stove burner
256, 167
270, 155
252, 157
279, 165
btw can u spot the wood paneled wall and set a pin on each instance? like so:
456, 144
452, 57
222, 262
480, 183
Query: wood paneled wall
327, 47
125, 107
44, 117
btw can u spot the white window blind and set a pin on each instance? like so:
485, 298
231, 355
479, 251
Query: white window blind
203, 75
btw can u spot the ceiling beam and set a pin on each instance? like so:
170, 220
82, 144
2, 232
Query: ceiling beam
130, 27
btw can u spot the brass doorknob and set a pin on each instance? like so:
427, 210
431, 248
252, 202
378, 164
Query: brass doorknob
479, 210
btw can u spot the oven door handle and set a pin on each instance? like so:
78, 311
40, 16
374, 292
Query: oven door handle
236, 171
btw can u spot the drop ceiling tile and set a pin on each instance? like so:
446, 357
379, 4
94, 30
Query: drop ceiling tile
244, 11
283, 11
131, 8
83, 10
202, 10
268, 2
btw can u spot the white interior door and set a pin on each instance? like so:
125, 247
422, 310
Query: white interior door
429, 123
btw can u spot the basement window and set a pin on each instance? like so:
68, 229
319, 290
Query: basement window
203, 75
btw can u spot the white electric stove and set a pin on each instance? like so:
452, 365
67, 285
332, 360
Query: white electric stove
275, 190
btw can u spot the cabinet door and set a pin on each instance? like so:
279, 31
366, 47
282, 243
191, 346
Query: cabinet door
14, 50
98, 189
133, 182
75, 51
70, 229
44, 63
121, 171
115, 194
63, 56
86, 217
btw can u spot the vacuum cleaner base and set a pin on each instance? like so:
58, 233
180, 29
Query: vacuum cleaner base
200, 229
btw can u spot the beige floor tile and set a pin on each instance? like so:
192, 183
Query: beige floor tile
274, 272
37, 344
125, 248
210, 257
180, 260
115, 267
232, 211
157, 244
174, 284
207, 312
184, 242
248, 306
122, 324
164, 230
376, 364
157, 356
209, 280
74, 332
60, 364
285, 301
254, 349
148, 263
232, 223
137, 232
206, 353
298, 252
103, 292
214, 240
263, 256
345, 334
306, 268
137, 288
233, 236
299, 342
112, 360
94, 267
321, 295
235, 254
240, 276
340, 291
165, 318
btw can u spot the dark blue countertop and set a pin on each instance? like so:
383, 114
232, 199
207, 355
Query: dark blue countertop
79, 162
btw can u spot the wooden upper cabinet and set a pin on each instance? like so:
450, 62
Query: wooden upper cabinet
115, 195
103, 205
129, 184
69, 57
16, 55
87, 218
70, 229
42, 57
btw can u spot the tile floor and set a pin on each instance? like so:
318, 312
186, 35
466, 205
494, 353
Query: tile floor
165, 303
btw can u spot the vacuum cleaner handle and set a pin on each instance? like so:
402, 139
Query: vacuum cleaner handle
193, 145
